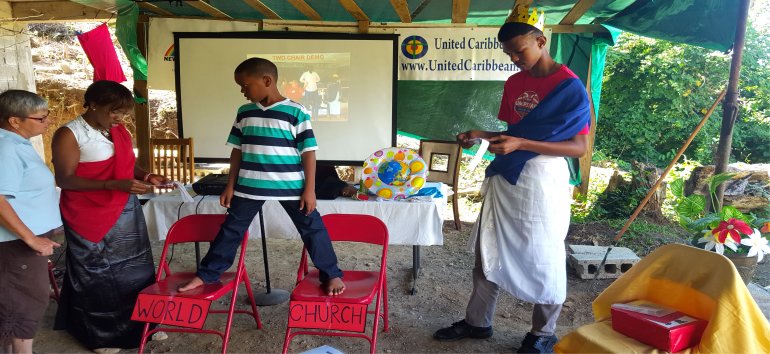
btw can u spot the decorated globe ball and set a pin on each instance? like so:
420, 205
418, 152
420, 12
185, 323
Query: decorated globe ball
394, 173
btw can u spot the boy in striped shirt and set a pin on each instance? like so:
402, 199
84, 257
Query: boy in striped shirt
273, 158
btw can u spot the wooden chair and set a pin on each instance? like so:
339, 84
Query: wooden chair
200, 228
362, 287
173, 158
443, 159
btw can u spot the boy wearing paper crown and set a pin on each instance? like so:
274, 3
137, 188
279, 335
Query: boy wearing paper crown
519, 235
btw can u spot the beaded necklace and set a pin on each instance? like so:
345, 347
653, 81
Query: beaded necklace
104, 132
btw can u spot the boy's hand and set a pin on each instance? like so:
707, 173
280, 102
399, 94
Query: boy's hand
307, 202
504, 144
466, 139
226, 196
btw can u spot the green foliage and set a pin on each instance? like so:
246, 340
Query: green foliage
691, 206
643, 236
694, 217
580, 208
655, 92
618, 203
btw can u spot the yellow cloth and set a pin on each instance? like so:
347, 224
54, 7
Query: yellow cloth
699, 283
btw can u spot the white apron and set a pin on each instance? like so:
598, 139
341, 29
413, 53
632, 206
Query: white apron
522, 229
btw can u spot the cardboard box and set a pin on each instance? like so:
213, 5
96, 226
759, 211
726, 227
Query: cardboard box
654, 325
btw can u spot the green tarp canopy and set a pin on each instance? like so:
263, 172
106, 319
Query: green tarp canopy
440, 109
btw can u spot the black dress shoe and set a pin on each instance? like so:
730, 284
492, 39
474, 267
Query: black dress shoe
537, 344
460, 330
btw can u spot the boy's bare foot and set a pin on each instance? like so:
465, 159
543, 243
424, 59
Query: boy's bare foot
192, 284
334, 286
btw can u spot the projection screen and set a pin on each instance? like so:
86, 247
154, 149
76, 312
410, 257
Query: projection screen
347, 82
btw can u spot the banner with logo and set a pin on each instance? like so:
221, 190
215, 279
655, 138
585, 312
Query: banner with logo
452, 54
160, 49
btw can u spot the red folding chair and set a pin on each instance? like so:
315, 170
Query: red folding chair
362, 288
52, 279
200, 228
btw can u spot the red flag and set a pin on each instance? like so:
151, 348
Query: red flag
101, 53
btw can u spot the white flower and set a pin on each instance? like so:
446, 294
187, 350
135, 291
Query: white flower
711, 242
758, 244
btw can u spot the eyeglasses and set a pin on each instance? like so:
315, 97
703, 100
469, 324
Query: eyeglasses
39, 119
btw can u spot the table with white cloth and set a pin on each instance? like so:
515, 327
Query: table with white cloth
409, 222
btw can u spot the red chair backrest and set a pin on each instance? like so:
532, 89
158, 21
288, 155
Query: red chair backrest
195, 228
356, 228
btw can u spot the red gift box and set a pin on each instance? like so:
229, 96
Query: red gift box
654, 325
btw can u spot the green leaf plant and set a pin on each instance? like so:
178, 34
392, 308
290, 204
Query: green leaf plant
726, 229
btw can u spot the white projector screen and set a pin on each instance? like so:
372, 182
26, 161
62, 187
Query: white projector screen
351, 90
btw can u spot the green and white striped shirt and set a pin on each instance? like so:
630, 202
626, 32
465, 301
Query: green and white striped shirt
272, 140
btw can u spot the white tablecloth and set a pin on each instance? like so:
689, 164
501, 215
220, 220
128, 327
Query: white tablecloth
416, 223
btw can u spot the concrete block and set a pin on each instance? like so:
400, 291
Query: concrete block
587, 259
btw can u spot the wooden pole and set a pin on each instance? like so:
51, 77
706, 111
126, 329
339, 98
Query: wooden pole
142, 111
584, 162
670, 165
730, 107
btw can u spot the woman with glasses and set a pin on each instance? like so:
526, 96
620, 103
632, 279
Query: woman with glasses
28, 215
109, 259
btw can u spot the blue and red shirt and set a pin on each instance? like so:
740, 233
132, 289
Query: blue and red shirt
522, 93
552, 108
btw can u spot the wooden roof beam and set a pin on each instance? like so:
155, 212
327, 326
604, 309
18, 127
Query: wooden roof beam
305, 9
577, 11
263, 9
57, 11
402, 9
354, 10
207, 8
460, 10
154, 8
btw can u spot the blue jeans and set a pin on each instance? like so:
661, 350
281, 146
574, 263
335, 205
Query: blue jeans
242, 211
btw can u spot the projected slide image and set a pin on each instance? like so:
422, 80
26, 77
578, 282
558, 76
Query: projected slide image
347, 82
316, 80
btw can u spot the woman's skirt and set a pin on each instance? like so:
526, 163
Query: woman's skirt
24, 291
103, 280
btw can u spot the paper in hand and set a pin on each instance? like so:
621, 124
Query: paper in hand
183, 192
484, 144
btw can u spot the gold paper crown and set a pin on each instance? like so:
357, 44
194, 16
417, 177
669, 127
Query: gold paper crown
520, 13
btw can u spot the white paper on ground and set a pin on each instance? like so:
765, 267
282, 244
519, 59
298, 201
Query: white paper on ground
479, 154
324, 349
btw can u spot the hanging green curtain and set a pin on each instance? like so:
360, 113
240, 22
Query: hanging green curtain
128, 16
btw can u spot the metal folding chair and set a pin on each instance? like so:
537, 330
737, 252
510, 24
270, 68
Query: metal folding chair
200, 228
362, 287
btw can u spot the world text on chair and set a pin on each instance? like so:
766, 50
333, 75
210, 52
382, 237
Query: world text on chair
173, 158
161, 302
443, 159
341, 315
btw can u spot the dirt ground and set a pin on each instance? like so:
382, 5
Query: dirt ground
442, 292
